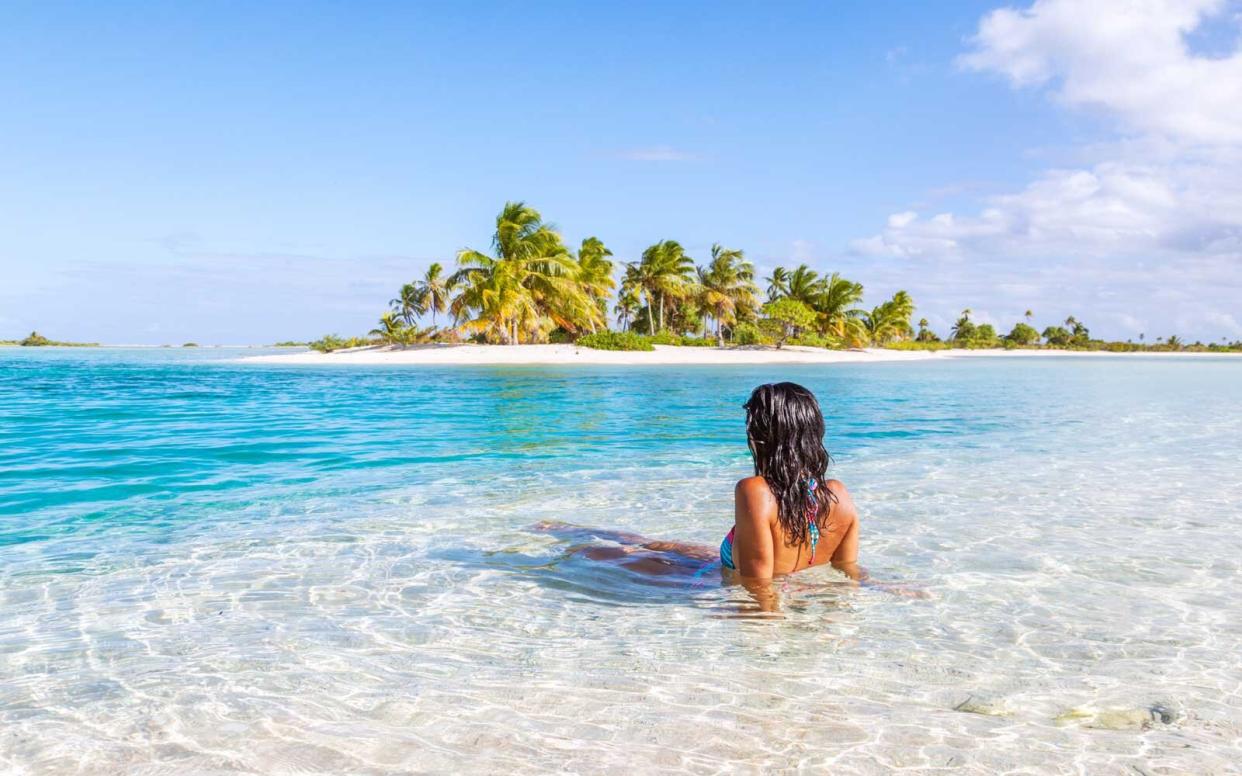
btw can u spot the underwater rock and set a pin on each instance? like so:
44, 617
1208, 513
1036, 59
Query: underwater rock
1118, 718
1162, 714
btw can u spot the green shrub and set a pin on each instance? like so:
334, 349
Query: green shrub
327, 343
749, 334
984, 337
810, 339
665, 337
786, 318
1057, 336
331, 342
919, 345
698, 342
616, 340
1022, 334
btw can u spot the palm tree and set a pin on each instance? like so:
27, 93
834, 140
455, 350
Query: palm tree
902, 308
628, 304
726, 285
638, 283
1028, 315
393, 330
409, 304
595, 278
835, 305
925, 334
663, 273
804, 285
529, 287
963, 329
434, 290
1078, 329
778, 284
890, 320
489, 291
879, 324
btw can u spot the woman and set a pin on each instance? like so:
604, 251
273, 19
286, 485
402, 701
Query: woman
789, 516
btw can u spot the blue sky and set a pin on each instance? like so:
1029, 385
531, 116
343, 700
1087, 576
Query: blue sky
233, 173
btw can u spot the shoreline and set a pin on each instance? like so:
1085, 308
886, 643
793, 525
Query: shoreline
663, 355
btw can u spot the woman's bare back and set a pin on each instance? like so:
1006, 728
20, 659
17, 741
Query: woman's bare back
760, 546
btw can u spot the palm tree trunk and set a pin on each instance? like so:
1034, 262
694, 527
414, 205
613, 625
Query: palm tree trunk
650, 320
661, 312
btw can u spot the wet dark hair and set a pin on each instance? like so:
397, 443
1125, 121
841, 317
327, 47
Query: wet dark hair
785, 428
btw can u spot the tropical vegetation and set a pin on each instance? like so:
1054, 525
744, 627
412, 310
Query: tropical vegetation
616, 340
531, 287
37, 340
786, 318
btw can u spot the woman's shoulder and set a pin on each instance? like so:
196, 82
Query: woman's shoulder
754, 497
749, 485
753, 488
843, 503
838, 488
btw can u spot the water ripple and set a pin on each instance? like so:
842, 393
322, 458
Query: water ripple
208, 566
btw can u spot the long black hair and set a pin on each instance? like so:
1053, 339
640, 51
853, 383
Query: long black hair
785, 429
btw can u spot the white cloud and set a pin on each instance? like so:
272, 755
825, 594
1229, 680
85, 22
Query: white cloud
1114, 208
1129, 58
1160, 204
1224, 323
901, 220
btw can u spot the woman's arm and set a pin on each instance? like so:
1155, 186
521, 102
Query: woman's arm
753, 553
753, 506
844, 519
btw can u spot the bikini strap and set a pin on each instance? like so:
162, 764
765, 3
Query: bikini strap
812, 512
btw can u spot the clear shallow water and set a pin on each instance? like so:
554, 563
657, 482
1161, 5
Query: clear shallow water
208, 566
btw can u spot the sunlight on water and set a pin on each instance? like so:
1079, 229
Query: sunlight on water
208, 566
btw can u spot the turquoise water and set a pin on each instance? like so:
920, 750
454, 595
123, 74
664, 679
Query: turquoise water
214, 566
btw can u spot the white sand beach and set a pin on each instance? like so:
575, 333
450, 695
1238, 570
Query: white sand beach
573, 354
666, 355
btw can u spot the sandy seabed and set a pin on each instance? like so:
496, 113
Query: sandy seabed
662, 355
